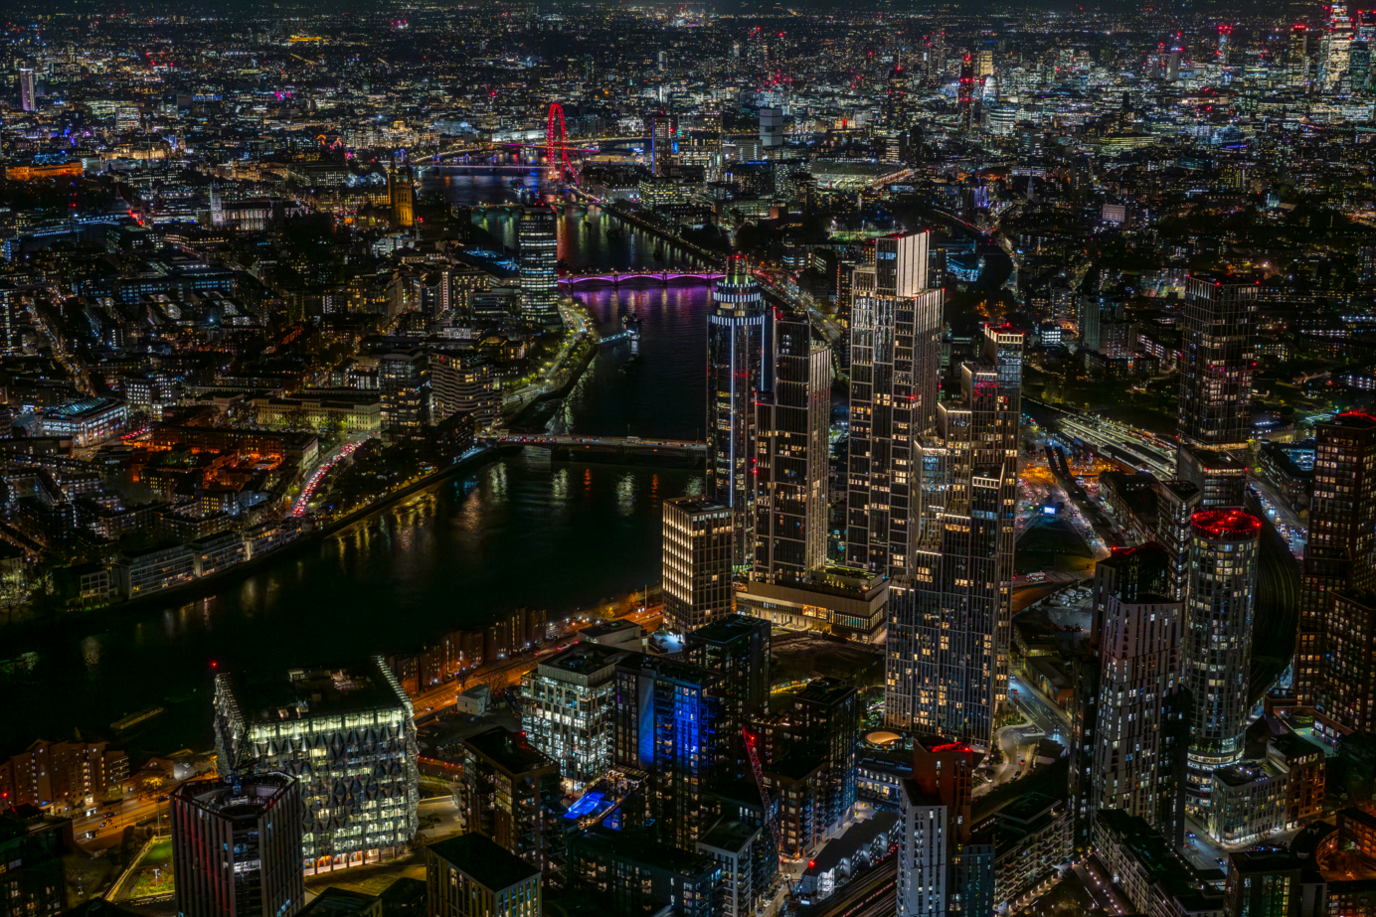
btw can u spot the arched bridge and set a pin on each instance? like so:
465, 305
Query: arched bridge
661, 277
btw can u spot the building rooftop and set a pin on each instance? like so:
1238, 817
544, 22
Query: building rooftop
731, 627
1265, 861
824, 691
1358, 420
731, 836
1154, 853
857, 836
586, 659
508, 751
23, 820
1225, 524
670, 669
86, 407
695, 505
1030, 807
1215, 461
798, 763
247, 797
317, 691
404, 893
639, 849
337, 902
483, 860
1183, 490
607, 629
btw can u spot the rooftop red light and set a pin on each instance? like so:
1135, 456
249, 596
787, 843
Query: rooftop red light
1225, 523
952, 746
1357, 415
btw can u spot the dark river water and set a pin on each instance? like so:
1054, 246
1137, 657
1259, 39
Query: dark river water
516, 532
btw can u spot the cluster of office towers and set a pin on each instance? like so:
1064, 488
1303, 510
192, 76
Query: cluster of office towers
931, 498
930, 487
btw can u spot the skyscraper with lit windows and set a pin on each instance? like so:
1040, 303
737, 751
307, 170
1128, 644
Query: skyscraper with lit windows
28, 90
237, 847
1138, 762
538, 261
1216, 664
1216, 363
698, 550
1338, 555
793, 420
950, 620
329, 727
736, 370
894, 359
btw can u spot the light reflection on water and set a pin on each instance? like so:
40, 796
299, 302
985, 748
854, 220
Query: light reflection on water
515, 532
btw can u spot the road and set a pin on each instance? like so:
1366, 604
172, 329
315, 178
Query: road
508, 673
1017, 743
579, 331
439, 818
1287, 521
126, 814
1099, 884
1048, 717
322, 470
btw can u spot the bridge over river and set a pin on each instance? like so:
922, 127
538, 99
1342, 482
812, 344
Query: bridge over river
571, 445
663, 278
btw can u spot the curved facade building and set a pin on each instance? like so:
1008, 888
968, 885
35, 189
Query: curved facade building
736, 336
1217, 658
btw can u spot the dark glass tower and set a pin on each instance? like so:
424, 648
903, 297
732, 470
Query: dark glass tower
538, 234
1342, 537
1216, 363
791, 472
736, 335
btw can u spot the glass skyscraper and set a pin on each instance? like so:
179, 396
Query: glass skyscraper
951, 618
894, 361
736, 336
538, 260
1216, 363
1216, 663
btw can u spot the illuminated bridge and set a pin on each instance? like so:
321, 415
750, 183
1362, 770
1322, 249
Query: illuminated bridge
583, 446
661, 277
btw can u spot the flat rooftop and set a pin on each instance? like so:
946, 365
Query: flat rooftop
482, 859
607, 628
825, 691
509, 751
731, 627
302, 693
586, 659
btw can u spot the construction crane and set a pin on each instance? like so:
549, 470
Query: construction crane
764, 794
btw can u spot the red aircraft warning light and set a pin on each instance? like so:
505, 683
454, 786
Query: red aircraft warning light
1226, 524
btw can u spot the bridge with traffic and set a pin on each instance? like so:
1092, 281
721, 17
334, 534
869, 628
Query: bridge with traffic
663, 278
568, 444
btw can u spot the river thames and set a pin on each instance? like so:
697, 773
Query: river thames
516, 532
